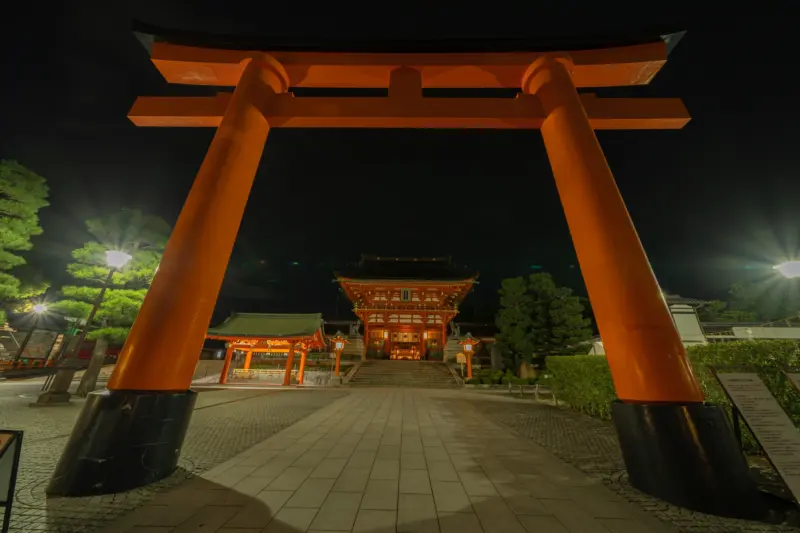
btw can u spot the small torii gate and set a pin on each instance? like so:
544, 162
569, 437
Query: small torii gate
661, 418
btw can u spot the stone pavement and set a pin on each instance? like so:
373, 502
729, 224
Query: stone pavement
225, 423
386, 460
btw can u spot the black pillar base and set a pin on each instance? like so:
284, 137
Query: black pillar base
123, 440
687, 455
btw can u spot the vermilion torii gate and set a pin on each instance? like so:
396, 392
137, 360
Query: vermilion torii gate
664, 427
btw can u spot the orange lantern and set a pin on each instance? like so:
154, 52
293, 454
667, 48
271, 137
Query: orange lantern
469, 344
338, 341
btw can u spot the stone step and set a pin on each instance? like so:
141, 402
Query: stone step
406, 376
366, 378
401, 374
399, 378
422, 374
401, 384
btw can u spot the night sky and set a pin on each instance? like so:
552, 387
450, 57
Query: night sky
713, 203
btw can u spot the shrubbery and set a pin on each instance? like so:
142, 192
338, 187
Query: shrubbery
584, 381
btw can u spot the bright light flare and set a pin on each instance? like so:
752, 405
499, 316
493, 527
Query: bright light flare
117, 259
789, 269
39, 308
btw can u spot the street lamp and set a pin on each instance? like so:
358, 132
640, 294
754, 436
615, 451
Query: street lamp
38, 310
789, 269
115, 260
58, 391
338, 342
469, 349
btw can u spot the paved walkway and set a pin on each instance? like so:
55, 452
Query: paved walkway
225, 423
386, 460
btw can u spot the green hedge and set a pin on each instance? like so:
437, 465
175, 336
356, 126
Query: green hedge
584, 381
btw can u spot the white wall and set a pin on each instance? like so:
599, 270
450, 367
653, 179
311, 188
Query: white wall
687, 323
762, 332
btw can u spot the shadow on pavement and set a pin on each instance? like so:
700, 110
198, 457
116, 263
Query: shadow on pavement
200, 505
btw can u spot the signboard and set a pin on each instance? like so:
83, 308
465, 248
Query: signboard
10, 446
770, 425
405, 295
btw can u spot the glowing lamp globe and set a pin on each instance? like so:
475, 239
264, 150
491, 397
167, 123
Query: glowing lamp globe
117, 259
469, 343
789, 269
338, 341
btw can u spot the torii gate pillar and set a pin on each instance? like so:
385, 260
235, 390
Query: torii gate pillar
146, 410
675, 446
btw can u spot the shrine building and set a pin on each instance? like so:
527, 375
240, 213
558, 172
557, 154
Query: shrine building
271, 336
405, 304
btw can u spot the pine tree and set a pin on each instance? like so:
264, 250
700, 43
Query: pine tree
539, 318
140, 235
22, 194
515, 322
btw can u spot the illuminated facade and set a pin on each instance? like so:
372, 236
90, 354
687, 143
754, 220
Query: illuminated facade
405, 304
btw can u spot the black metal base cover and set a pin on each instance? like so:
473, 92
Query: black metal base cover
123, 440
687, 455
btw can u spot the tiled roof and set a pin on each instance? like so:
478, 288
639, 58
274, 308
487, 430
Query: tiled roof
268, 325
401, 268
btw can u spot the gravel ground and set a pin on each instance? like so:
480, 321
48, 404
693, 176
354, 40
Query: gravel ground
591, 445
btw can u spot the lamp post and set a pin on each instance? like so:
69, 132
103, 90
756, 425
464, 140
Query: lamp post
58, 392
115, 260
38, 310
338, 341
469, 348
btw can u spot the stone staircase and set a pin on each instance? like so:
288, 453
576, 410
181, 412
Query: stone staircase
354, 349
403, 374
452, 348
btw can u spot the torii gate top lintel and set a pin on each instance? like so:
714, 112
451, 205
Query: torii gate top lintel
406, 76
609, 67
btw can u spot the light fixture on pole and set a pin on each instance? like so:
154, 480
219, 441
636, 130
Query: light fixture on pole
789, 269
469, 349
38, 310
115, 260
58, 392
338, 341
